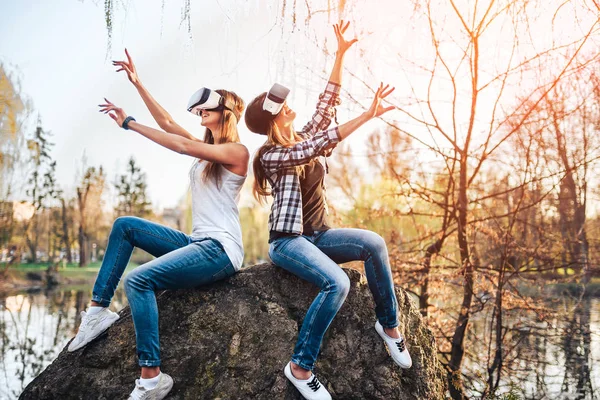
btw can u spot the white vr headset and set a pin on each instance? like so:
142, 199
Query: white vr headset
275, 98
209, 100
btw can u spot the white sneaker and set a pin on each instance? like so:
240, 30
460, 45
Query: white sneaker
396, 347
91, 327
310, 389
160, 391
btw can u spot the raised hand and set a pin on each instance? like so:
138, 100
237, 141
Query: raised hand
117, 113
343, 44
377, 109
128, 67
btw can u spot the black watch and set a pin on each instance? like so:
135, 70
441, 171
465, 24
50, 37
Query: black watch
126, 121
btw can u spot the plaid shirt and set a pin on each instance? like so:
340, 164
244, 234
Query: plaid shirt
280, 163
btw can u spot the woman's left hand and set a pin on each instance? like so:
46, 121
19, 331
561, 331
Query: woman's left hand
343, 44
377, 109
114, 112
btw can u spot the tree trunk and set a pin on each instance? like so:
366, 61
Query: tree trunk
457, 353
65, 236
424, 297
32, 241
496, 367
82, 249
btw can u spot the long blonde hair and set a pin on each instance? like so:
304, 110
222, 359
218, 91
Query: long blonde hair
258, 122
229, 133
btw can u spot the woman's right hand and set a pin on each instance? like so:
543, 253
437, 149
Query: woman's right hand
128, 67
343, 44
377, 109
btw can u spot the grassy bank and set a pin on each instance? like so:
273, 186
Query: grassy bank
29, 276
62, 267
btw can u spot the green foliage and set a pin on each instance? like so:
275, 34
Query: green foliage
41, 185
512, 395
42, 181
131, 188
255, 234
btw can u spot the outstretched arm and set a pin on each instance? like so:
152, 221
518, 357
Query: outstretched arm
375, 110
321, 119
301, 153
343, 46
235, 155
160, 115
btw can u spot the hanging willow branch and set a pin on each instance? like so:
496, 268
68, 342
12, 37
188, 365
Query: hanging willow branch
185, 17
108, 16
186, 21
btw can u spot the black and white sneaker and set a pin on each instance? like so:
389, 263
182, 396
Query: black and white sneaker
396, 347
310, 389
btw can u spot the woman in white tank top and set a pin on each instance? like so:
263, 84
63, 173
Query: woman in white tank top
212, 252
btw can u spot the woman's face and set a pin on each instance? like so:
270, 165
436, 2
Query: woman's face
210, 119
286, 116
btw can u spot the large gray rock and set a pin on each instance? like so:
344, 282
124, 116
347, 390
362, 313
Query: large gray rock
232, 339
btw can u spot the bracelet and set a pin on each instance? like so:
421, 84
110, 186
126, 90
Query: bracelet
126, 121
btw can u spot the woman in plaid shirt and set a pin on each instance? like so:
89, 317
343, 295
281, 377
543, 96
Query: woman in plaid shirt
287, 167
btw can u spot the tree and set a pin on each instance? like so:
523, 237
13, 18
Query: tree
89, 194
63, 223
41, 186
14, 110
477, 84
131, 191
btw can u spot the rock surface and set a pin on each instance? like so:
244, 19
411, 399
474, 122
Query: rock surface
232, 339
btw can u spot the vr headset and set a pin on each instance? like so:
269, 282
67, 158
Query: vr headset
275, 98
209, 100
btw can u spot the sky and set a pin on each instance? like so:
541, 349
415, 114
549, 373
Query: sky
59, 50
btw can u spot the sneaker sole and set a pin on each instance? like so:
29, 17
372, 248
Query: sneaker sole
106, 324
165, 391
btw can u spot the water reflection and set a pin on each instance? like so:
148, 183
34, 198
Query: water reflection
555, 358
34, 328
545, 358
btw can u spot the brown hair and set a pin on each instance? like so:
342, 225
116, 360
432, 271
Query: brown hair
262, 122
229, 133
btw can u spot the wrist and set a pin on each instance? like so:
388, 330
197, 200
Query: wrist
339, 55
126, 121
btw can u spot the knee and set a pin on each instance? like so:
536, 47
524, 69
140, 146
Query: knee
122, 224
133, 282
128, 282
340, 285
374, 245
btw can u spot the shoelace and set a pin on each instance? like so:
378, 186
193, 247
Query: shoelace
314, 384
401, 345
139, 393
85, 320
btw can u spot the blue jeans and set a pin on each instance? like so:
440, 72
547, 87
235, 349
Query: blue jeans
314, 258
181, 262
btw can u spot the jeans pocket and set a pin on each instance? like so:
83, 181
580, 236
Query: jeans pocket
279, 245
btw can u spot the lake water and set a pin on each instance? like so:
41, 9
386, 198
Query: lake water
559, 360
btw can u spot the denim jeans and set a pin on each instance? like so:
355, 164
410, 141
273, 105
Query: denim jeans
181, 262
314, 258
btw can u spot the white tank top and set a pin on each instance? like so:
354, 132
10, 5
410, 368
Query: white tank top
214, 210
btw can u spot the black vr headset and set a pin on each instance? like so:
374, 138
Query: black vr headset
209, 100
